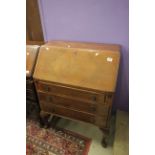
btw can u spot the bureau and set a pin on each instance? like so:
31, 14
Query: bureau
77, 81
31, 98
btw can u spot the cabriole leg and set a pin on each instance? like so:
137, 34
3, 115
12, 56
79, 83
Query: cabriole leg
44, 119
105, 137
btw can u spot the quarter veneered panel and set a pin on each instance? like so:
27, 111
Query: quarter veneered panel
76, 64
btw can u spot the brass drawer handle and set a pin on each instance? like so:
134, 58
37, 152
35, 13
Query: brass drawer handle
47, 88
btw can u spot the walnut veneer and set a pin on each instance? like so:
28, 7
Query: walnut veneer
77, 81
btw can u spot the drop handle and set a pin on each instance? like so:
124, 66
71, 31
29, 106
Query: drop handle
47, 88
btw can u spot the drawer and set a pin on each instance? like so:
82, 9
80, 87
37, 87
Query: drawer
68, 103
59, 110
101, 121
102, 110
108, 98
70, 92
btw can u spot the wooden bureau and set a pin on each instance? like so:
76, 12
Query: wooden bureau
31, 97
77, 81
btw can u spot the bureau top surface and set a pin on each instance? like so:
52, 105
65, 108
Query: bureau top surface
31, 55
86, 65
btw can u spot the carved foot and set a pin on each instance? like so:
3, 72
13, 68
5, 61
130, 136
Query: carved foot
104, 142
105, 137
47, 120
44, 119
54, 121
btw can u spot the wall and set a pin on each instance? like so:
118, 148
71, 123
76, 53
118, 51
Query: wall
103, 21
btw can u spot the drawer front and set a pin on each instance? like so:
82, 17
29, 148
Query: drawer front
101, 121
68, 103
108, 99
59, 110
70, 92
102, 110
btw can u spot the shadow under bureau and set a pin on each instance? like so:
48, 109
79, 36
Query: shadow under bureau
77, 81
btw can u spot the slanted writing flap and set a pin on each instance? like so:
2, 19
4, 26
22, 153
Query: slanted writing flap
87, 65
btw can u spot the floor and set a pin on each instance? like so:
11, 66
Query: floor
92, 132
121, 134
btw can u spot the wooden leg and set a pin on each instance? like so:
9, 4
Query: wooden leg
47, 120
105, 137
54, 121
44, 119
28, 108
